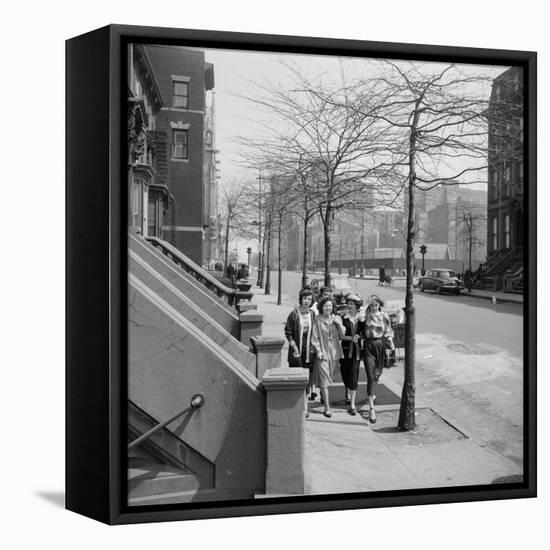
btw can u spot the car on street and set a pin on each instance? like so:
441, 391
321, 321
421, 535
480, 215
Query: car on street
339, 285
441, 279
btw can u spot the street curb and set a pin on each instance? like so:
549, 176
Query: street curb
499, 299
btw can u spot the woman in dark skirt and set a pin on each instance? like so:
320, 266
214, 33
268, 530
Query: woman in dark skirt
351, 348
298, 332
377, 334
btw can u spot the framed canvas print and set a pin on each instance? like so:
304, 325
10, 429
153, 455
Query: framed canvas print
301, 274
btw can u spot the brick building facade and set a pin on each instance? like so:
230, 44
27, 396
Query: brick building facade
173, 177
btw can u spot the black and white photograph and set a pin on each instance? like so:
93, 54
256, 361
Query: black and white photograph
327, 265
275, 275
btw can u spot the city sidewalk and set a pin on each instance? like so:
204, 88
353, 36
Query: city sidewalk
346, 454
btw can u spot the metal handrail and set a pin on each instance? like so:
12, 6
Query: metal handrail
231, 295
197, 401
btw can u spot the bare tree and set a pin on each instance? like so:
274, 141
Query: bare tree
317, 133
470, 225
233, 212
439, 116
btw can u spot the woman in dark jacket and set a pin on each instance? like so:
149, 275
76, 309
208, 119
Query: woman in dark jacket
351, 347
298, 332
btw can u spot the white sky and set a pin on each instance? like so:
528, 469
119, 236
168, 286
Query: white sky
235, 71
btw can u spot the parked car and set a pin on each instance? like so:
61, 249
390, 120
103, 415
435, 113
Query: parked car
339, 285
441, 280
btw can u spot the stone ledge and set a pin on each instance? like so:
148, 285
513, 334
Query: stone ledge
242, 307
267, 343
285, 378
251, 316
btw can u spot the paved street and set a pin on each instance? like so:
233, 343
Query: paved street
469, 364
465, 319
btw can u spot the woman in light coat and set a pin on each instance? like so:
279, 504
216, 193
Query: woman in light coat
327, 333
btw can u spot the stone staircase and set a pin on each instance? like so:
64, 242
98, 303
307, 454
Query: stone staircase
185, 340
504, 263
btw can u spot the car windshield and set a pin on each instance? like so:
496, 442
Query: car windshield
339, 284
447, 274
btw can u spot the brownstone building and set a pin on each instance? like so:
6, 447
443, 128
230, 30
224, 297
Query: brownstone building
505, 210
172, 175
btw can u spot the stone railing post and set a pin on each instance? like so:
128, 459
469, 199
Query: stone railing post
268, 352
285, 395
245, 306
251, 325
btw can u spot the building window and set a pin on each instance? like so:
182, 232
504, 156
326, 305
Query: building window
493, 181
136, 202
180, 96
507, 179
179, 144
494, 233
506, 230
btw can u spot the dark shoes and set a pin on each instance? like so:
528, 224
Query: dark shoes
328, 413
352, 411
372, 416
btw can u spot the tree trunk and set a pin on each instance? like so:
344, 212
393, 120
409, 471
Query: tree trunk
470, 262
268, 261
279, 265
304, 261
262, 266
327, 230
226, 250
407, 419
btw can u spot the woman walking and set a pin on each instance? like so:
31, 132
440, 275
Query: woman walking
327, 332
377, 333
351, 347
298, 332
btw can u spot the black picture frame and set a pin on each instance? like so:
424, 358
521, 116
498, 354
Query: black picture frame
96, 232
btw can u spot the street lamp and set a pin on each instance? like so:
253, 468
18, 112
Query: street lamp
423, 250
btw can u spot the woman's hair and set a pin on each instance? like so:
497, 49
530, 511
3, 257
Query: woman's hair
304, 292
322, 303
355, 299
376, 298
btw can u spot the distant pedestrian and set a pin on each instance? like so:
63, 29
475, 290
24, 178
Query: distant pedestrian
327, 332
230, 273
381, 275
298, 332
377, 334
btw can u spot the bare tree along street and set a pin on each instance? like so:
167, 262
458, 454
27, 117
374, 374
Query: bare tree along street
469, 361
